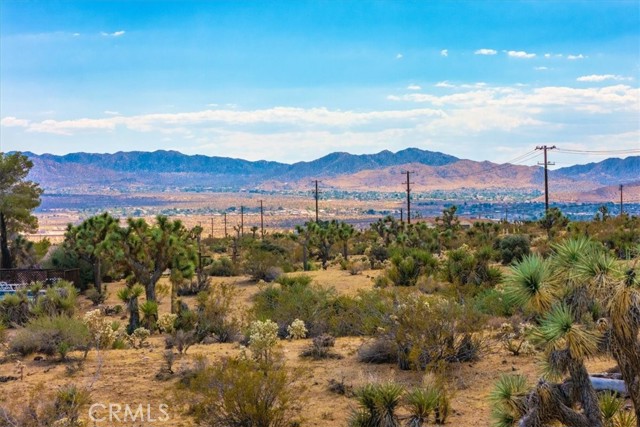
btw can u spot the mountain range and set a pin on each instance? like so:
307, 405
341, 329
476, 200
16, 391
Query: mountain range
174, 171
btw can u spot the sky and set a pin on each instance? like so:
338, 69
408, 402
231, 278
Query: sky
295, 80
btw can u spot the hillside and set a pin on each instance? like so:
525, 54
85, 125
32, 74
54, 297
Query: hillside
174, 171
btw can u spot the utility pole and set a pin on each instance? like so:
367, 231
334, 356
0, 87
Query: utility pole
401, 218
212, 227
317, 196
262, 219
241, 220
408, 195
546, 175
225, 225
621, 205
506, 213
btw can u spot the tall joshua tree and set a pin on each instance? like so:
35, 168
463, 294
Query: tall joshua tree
91, 242
146, 251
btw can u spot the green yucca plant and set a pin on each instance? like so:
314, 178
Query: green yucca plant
129, 296
421, 403
610, 404
529, 284
149, 310
558, 330
507, 399
378, 404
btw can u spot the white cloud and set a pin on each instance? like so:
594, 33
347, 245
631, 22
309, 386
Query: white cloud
444, 52
574, 57
444, 84
112, 113
540, 68
399, 56
520, 54
10, 121
76, 34
114, 34
485, 52
547, 55
601, 78
413, 87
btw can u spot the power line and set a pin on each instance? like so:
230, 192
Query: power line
573, 151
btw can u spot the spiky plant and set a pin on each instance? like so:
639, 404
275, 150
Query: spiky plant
530, 285
149, 310
508, 400
378, 404
610, 404
421, 403
129, 296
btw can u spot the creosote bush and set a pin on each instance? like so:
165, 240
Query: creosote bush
241, 392
50, 336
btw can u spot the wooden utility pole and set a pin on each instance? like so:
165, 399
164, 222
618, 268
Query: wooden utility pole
262, 219
408, 195
225, 225
212, 227
317, 197
621, 205
401, 216
546, 175
241, 220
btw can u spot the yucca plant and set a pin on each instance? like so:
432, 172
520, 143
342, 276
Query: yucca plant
508, 400
378, 404
530, 284
129, 296
149, 310
625, 419
610, 405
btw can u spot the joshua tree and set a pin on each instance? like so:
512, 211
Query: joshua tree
565, 292
129, 296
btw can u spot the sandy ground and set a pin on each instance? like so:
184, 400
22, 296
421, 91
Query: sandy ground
128, 376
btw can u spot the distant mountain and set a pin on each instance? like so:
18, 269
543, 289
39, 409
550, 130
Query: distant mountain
173, 171
607, 172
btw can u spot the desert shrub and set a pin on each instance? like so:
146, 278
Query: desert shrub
513, 248
241, 392
42, 407
320, 348
359, 315
138, 337
377, 405
407, 267
214, 314
378, 351
58, 300
95, 296
261, 259
428, 329
514, 338
50, 336
377, 254
14, 309
180, 340
297, 330
294, 300
3, 333
494, 302
462, 267
166, 322
288, 280
222, 267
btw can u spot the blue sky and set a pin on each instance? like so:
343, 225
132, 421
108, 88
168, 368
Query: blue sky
294, 80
